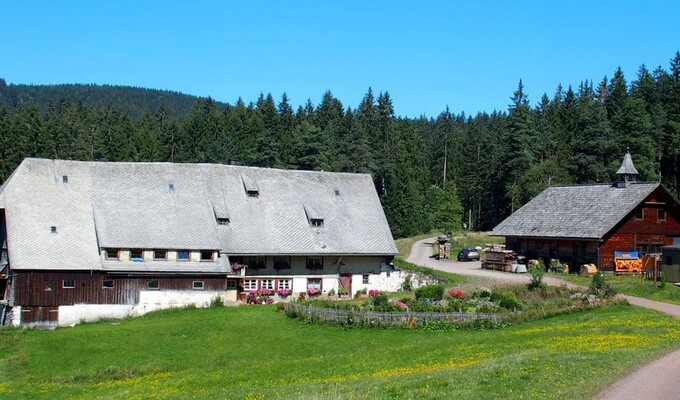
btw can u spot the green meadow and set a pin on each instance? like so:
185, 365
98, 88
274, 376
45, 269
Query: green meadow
253, 352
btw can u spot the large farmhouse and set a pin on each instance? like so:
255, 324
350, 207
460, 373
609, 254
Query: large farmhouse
583, 224
87, 240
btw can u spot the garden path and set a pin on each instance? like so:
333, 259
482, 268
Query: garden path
656, 380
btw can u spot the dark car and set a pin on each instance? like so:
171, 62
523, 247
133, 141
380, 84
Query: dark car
468, 255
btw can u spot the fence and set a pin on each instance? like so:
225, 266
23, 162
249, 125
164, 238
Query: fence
332, 315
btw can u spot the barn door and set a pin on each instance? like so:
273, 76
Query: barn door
345, 282
39, 315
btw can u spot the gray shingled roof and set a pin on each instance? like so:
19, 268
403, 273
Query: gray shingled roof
584, 211
132, 205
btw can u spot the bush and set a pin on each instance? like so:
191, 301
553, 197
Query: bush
407, 285
600, 288
537, 271
507, 300
381, 303
432, 292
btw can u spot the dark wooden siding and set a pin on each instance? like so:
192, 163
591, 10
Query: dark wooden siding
573, 252
30, 287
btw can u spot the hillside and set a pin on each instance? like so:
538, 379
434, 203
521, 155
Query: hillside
134, 100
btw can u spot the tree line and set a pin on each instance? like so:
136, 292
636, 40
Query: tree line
429, 172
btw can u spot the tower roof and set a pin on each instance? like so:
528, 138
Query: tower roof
627, 166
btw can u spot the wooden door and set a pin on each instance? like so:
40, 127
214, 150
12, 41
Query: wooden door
345, 281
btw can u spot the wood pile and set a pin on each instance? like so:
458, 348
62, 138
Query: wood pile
499, 260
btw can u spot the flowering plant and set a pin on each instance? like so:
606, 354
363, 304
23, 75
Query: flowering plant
237, 267
400, 304
266, 292
312, 291
284, 292
457, 294
373, 292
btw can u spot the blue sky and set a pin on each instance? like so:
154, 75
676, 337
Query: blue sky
467, 55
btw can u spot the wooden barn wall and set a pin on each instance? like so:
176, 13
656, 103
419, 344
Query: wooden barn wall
573, 252
30, 287
650, 231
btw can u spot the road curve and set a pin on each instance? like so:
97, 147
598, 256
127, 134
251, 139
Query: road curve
657, 380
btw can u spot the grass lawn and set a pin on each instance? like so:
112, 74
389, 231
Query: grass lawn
255, 353
630, 284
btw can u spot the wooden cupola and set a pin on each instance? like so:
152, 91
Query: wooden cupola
627, 172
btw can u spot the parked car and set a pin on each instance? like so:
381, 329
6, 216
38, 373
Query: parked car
468, 255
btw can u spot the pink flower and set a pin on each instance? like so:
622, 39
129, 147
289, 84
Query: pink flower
400, 304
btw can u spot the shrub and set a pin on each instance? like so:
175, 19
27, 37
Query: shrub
600, 288
381, 303
217, 302
537, 271
507, 300
407, 285
432, 292
482, 292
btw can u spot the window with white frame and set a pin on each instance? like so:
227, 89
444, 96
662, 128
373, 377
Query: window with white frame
207, 255
267, 284
364, 279
153, 285
137, 255
160, 255
250, 284
285, 284
112, 254
314, 283
68, 283
107, 284
197, 285
183, 255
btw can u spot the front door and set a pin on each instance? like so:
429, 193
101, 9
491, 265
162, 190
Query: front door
345, 284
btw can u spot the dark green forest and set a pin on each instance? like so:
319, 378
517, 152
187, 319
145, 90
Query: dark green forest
429, 172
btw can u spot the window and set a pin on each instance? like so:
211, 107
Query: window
171, 187
267, 284
207, 255
153, 285
48, 286
314, 283
314, 262
222, 221
136, 255
256, 262
316, 222
198, 285
281, 262
669, 260
112, 254
661, 214
364, 279
337, 192
285, 284
53, 229
253, 193
107, 284
64, 178
68, 283
183, 255
250, 284
231, 284
640, 213
160, 255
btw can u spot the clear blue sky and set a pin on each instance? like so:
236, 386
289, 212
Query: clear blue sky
468, 55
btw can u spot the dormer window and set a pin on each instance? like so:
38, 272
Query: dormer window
53, 229
171, 187
316, 222
337, 192
136, 255
250, 186
222, 221
64, 178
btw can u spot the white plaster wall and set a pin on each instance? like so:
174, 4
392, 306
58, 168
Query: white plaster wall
150, 300
72, 315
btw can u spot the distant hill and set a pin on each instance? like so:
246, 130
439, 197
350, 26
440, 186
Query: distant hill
135, 100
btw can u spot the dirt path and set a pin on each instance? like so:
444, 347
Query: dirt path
657, 380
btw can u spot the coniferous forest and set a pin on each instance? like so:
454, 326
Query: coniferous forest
429, 172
